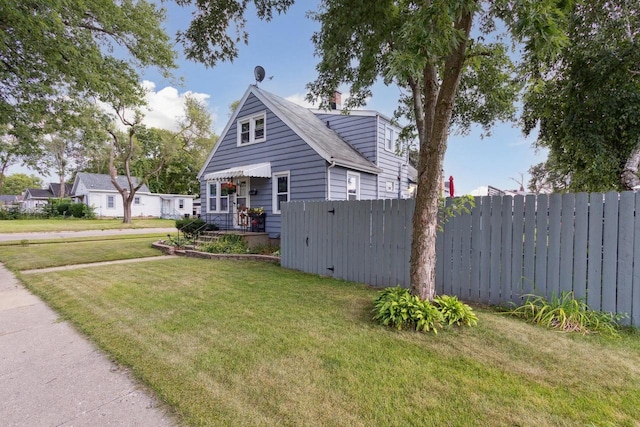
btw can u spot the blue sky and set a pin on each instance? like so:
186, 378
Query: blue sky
283, 47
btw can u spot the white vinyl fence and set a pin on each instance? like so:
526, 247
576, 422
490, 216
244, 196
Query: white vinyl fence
506, 247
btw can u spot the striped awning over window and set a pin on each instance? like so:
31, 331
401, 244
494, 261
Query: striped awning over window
258, 170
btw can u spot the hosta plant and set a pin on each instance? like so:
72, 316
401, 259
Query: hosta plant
454, 311
567, 313
396, 307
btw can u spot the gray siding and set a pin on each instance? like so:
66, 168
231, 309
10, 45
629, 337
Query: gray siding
359, 131
339, 184
284, 149
393, 166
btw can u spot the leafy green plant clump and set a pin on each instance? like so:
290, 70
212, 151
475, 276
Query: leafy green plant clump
396, 307
567, 313
226, 244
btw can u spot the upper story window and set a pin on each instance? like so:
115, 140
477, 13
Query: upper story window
389, 139
281, 190
252, 129
353, 186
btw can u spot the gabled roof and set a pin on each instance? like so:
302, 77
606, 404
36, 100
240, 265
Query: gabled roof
97, 181
38, 193
54, 188
326, 142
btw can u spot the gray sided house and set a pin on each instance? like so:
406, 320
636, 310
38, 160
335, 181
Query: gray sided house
273, 151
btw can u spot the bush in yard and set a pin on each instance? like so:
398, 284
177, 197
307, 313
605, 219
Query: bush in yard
226, 244
396, 307
80, 210
454, 311
568, 314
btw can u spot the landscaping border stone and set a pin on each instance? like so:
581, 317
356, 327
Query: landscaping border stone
171, 250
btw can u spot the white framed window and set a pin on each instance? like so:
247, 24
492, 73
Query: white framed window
180, 203
252, 130
389, 139
353, 186
111, 202
136, 200
216, 201
281, 190
391, 186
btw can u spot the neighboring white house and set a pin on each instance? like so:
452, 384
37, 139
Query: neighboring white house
97, 191
35, 199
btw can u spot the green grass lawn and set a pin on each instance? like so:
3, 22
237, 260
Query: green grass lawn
72, 224
248, 343
55, 253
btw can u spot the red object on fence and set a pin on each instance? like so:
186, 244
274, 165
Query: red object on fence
451, 186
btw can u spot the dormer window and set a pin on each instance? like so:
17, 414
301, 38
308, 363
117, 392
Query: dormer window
252, 130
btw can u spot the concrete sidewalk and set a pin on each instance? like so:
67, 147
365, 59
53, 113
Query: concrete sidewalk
5, 237
50, 375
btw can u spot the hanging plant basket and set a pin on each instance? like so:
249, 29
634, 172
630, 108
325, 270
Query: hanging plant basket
227, 188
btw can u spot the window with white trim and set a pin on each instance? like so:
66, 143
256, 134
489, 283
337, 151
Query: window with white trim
111, 202
353, 186
281, 190
389, 139
216, 201
180, 203
391, 186
252, 130
136, 200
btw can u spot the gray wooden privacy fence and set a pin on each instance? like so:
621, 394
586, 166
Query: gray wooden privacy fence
506, 247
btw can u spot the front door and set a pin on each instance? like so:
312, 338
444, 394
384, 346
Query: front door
241, 218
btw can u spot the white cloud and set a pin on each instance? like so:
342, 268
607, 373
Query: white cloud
300, 99
166, 106
480, 191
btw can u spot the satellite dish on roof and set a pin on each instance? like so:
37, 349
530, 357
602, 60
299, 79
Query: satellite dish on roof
259, 73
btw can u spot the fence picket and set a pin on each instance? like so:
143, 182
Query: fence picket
476, 249
609, 251
594, 264
635, 284
495, 255
528, 270
580, 252
542, 221
625, 253
553, 250
485, 256
517, 258
567, 227
506, 247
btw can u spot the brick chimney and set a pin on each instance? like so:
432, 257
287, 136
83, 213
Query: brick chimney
336, 101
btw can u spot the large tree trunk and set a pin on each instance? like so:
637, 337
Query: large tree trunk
433, 117
127, 209
629, 177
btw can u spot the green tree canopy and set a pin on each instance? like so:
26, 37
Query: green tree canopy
17, 183
587, 101
57, 50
